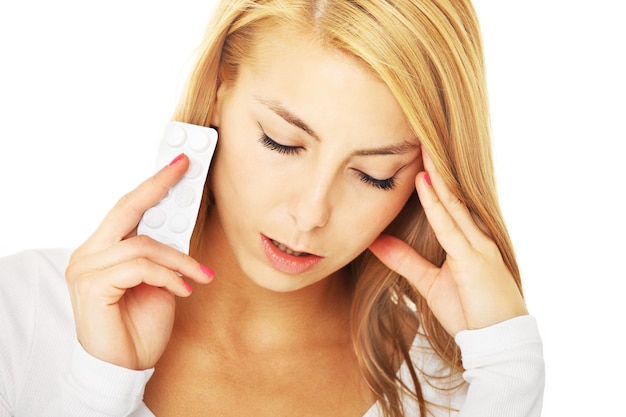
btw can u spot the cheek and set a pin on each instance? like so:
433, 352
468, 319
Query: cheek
230, 169
236, 183
369, 217
248, 191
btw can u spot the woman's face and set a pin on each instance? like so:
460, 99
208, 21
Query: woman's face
315, 159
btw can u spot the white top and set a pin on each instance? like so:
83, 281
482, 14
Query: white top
45, 372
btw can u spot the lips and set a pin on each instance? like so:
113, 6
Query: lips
287, 250
287, 260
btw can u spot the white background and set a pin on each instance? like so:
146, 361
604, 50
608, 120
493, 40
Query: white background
86, 87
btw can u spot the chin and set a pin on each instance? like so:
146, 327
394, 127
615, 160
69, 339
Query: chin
282, 283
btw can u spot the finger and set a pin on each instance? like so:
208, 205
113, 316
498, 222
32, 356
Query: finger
142, 247
109, 285
440, 293
443, 224
125, 215
457, 210
400, 257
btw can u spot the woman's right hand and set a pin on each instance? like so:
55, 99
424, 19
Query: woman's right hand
123, 286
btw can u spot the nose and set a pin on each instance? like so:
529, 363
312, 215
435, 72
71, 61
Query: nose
311, 204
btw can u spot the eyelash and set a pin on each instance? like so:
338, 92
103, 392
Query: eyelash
385, 185
271, 144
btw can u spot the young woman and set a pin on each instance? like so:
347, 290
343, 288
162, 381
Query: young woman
350, 232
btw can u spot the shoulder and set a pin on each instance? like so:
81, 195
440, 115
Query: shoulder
32, 287
32, 258
32, 283
24, 276
30, 278
503, 363
32, 265
443, 388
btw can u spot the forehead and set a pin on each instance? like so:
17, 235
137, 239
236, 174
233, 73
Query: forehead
328, 88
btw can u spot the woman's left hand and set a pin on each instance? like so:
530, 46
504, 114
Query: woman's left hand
473, 288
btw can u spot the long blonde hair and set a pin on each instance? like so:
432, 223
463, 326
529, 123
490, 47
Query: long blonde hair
429, 54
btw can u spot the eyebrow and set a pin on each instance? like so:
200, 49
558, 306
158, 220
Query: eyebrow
288, 116
396, 149
399, 149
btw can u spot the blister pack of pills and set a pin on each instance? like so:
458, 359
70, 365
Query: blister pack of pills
172, 220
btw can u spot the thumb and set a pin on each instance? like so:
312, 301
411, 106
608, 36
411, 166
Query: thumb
400, 257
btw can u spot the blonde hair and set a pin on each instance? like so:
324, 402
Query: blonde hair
429, 54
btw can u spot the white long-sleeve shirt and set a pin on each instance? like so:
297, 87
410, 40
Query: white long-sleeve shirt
45, 372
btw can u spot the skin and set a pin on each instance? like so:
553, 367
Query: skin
473, 288
346, 112
229, 335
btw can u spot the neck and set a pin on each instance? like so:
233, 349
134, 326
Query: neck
234, 311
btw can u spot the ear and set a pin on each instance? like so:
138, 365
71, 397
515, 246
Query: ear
420, 159
219, 102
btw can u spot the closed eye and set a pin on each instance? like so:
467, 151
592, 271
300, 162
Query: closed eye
385, 185
271, 144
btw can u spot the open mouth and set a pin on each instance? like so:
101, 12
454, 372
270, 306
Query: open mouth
287, 249
285, 259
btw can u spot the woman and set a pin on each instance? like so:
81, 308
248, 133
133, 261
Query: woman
343, 126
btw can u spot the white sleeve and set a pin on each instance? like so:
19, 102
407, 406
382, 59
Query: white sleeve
4, 407
94, 388
17, 321
505, 370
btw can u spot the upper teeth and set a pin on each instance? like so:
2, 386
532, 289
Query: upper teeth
287, 249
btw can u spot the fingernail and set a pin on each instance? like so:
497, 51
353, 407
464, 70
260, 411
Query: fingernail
188, 286
427, 178
207, 271
178, 158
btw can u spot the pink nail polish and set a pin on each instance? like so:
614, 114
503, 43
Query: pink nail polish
207, 271
188, 286
178, 158
427, 178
